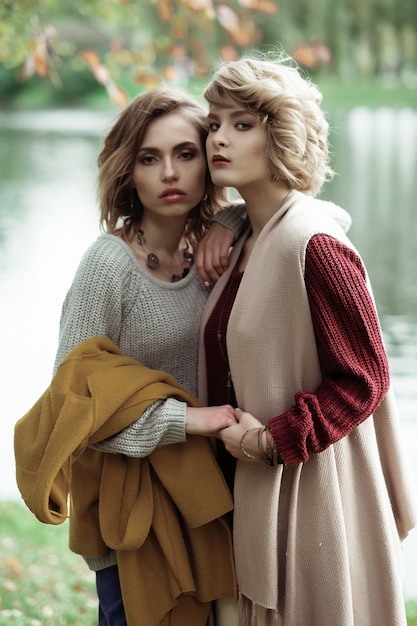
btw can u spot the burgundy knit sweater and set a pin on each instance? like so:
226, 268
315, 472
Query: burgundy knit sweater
354, 361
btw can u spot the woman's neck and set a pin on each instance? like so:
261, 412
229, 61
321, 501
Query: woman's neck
262, 204
164, 239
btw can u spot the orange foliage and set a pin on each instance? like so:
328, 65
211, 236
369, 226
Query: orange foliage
310, 55
147, 79
229, 53
189, 24
242, 33
116, 94
265, 6
201, 5
38, 60
164, 10
40, 57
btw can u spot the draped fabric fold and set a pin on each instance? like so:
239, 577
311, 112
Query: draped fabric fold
162, 513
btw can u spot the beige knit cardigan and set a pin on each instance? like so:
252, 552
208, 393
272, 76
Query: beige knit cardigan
318, 543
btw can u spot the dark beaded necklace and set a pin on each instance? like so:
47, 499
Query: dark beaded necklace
152, 260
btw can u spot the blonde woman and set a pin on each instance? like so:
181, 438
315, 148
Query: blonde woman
322, 500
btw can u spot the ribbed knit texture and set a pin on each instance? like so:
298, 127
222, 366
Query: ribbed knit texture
154, 322
233, 218
353, 359
163, 421
317, 541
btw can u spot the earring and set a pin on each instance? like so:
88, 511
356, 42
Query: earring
132, 201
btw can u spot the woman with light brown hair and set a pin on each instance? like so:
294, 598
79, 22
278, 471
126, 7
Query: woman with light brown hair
137, 285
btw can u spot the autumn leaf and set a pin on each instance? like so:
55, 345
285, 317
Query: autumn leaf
205, 6
310, 55
164, 10
264, 6
242, 33
100, 72
227, 18
229, 53
40, 57
305, 55
92, 59
146, 78
117, 95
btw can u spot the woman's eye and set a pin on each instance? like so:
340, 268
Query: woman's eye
147, 160
243, 126
213, 126
187, 155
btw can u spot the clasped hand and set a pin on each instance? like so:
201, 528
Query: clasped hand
226, 423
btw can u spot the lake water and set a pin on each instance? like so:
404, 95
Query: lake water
48, 217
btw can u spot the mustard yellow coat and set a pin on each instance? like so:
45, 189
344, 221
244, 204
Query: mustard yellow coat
163, 514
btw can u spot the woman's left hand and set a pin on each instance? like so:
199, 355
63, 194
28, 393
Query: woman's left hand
232, 436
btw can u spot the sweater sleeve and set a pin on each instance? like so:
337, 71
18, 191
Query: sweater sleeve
96, 300
233, 217
161, 424
96, 304
354, 361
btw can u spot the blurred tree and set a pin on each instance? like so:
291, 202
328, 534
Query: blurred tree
145, 40
127, 43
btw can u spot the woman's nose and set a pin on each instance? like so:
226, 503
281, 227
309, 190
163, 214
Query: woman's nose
219, 140
169, 172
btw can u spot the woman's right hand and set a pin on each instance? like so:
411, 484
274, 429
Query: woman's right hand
209, 420
232, 437
213, 253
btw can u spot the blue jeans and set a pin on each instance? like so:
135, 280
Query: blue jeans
110, 609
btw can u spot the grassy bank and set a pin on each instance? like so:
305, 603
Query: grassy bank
42, 583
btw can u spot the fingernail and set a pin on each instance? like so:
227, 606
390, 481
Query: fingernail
206, 284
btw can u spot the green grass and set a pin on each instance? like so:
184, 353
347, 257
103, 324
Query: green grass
42, 583
411, 606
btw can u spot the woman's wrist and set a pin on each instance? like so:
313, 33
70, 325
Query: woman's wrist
260, 446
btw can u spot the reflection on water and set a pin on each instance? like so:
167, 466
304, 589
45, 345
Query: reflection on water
376, 155
48, 217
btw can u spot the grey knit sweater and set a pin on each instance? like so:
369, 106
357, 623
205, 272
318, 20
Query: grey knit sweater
152, 321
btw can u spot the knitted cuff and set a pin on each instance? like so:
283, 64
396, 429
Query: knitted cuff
174, 414
233, 217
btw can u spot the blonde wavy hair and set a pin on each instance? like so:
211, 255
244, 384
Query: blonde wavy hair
120, 207
289, 106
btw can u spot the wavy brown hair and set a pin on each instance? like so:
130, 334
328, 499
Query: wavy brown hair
289, 106
120, 208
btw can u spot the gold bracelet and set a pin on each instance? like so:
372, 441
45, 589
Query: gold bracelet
266, 455
242, 439
274, 450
